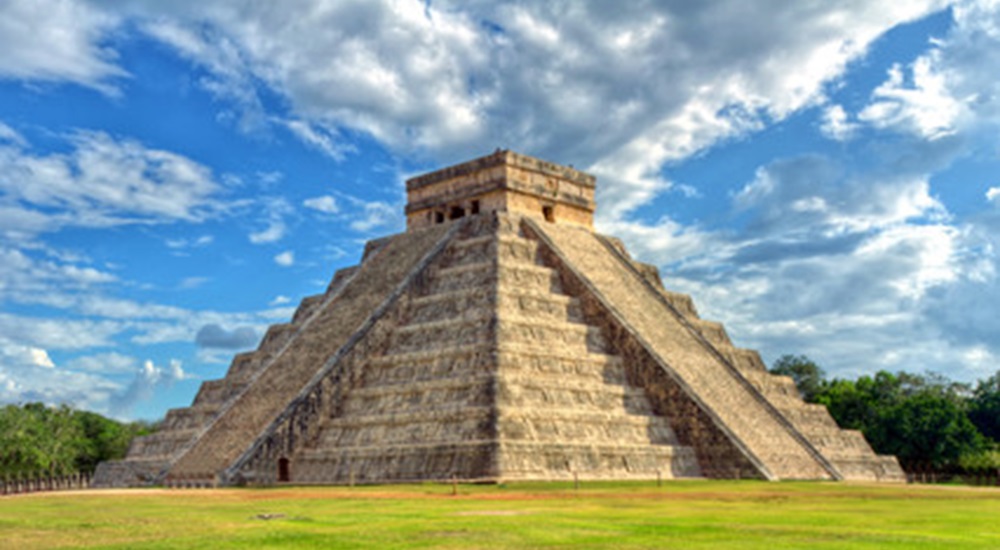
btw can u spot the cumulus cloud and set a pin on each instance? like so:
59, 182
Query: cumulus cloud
214, 336
58, 41
101, 182
926, 107
993, 194
836, 125
148, 379
454, 80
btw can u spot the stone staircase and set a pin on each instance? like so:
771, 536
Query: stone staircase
685, 349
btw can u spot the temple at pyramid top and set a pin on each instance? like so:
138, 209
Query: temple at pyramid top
501, 182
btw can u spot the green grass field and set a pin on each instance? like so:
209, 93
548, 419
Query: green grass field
685, 514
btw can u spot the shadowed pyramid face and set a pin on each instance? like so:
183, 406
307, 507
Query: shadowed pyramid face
501, 182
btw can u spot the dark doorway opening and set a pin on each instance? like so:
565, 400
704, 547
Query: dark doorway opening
548, 213
439, 217
475, 207
283, 472
456, 212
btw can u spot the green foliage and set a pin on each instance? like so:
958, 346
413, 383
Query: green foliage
808, 376
920, 419
36, 440
977, 462
924, 420
984, 407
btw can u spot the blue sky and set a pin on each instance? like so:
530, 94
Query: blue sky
176, 176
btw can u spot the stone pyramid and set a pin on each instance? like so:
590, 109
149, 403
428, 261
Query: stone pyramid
498, 338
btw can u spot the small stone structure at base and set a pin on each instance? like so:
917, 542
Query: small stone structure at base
499, 338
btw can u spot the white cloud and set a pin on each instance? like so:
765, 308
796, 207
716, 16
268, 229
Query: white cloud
276, 209
279, 300
101, 182
325, 140
621, 91
835, 124
104, 363
148, 380
926, 107
199, 242
325, 204
993, 194
59, 40
285, 259
63, 334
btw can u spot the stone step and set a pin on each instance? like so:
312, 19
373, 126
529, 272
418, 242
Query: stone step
746, 360
463, 391
486, 274
190, 417
417, 365
553, 424
443, 334
444, 424
592, 395
571, 460
536, 361
422, 461
307, 307
714, 332
479, 301
161, 445
567, 336
472, 303
586, 395
276, 337
683, 303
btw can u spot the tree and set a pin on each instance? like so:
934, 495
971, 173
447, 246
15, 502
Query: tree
808, 376
37, 440
920, 419
984, 407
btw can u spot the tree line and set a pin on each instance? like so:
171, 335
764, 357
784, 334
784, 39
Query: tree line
38, 440
929, 422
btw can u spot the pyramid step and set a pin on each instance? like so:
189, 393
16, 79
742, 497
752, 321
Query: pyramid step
746, 360
561, 335
683, 303
470, 250
418, 365
527, 303
420, 461
190, 417
541, 361
307, 307
588, 395
714, 332
572, 460
429, 335
464, 391
276, 337
473, 302
481, 301
444, 424
160, 445
484, 274
578, 425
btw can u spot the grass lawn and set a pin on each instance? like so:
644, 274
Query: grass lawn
680, 514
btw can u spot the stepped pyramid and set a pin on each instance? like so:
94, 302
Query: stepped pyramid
498, 338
